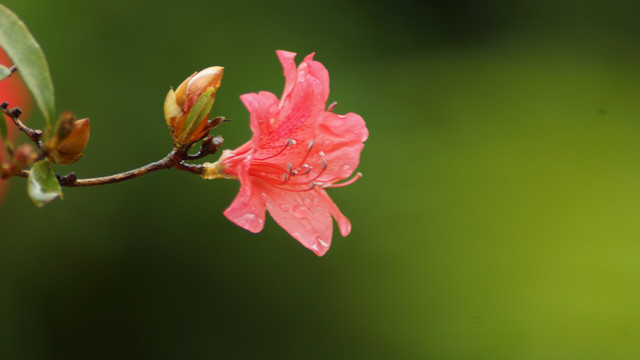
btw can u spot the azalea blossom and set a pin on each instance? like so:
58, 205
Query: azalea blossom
299, 148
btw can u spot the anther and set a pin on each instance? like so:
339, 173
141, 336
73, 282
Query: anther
311, 144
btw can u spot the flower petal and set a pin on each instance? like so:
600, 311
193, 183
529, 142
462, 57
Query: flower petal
341, 138
248, 208
317, 71
262, 107
325, 202
305, 95
304, 215
289, 68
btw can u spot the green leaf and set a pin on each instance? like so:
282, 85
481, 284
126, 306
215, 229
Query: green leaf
42, 184
4, 72
26, 54
198, 112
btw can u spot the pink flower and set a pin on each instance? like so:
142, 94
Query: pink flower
298, 150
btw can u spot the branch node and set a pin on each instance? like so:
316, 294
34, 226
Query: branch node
67, 180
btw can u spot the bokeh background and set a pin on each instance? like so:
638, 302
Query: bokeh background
498, 218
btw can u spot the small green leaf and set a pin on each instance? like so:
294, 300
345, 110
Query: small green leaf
198, 112
26, 54
42, 184
4, 72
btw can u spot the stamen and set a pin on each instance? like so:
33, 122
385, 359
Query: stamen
286, 176
348, 182
290, 142
324, 167
313, 185
332, 106
311, 143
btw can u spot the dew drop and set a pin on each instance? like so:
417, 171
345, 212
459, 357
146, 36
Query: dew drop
347, 168
285, 207
248, 218
307, 203
316, 202
322, 242
300, 211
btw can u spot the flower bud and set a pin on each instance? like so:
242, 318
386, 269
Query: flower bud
186, 109
68, 149
64, 126
24, 157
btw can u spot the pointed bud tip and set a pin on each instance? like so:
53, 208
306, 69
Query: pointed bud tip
69, 150
204, 80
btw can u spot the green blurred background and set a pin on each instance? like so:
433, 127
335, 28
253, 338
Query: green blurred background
498, 218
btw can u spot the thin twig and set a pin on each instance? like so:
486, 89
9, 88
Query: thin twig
167, 162
172, 160
14, 113
175, 159
210, 145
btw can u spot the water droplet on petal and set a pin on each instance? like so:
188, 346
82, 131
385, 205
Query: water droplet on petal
300, 211
248, 218
322, 242
285, 207
307, 203
347, 168
316, 202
